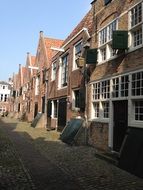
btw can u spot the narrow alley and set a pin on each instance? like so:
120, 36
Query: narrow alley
33, 158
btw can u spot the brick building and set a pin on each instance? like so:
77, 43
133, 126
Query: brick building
5, 90
115, 99
66, 78
114, 88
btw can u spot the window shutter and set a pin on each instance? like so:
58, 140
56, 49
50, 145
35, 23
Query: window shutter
120, 39
91, 56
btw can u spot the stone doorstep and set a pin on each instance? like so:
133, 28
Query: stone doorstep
110, 157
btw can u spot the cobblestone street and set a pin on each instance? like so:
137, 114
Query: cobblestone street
32, 158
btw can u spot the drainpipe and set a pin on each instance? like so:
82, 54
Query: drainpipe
86, 47
46, 97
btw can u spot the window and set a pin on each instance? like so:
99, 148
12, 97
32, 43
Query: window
64, 73
136, 25
96, 109
105, 89
136, 15
77, 53
138, 110
105, 34
5, 98
3, 87
54, 68
103, 54
105, 106
105, 38
124, 85
76, 98
96, 91
115, 87
137, 84
1, 97
78, 49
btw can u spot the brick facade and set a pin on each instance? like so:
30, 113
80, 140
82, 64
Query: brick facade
102, 135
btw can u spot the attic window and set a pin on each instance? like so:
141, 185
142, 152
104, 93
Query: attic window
107, 1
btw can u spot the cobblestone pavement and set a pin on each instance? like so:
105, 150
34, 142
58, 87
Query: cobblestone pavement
13, 174
55, 165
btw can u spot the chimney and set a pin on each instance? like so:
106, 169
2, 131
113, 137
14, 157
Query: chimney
41, 34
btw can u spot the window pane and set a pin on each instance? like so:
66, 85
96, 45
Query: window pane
115, 87
137, 37
136, 15
96, 91
64, 70
105, 89
105, 106
137, 84
96, 109
124, 85
139, 110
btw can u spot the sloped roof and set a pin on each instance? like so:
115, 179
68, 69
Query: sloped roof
86, 22
4, 83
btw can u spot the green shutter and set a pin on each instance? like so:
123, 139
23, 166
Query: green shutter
91, 56
120, 39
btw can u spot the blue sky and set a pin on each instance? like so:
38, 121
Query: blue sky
21, 22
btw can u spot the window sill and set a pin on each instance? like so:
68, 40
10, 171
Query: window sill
110, 59
137, 124
131, 49
101, 120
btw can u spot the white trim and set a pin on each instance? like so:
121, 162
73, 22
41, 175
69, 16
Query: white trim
31, 67
57, 49
82, 30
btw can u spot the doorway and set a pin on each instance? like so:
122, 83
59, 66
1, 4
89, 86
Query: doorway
120, 123
36, 109
62, 113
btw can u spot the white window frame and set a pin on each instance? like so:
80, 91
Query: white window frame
106, 109
60, 81
134, 28
105, 39
127, 95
